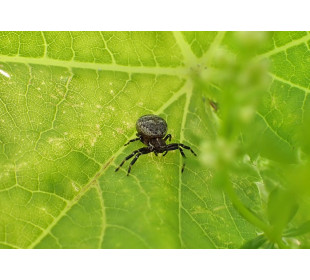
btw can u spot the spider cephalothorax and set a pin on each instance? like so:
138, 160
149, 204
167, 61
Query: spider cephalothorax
151, 131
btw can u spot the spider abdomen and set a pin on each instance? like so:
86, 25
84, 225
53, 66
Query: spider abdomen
151, 126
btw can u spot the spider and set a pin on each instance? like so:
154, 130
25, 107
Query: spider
151, 131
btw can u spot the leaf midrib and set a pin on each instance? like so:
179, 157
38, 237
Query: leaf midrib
175, 71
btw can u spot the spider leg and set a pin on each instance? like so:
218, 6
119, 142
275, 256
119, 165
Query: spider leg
126, 158
167, 136
170, 148
187, 147
183, 166
130, 156
175, 146
181, 151
132, 140
145, 151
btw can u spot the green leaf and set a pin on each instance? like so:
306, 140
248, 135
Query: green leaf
303, 229
69, 102
283, 108
255, 243
282, 207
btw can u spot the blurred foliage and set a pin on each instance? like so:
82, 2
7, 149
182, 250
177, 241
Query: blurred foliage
240, 84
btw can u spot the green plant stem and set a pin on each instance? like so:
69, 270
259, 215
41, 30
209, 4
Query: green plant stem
281, 244
245, 212
251, 217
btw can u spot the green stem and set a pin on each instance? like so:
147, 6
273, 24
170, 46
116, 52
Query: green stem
281, 244
245, 212
251, 217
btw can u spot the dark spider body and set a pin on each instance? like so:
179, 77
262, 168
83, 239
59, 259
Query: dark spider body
151, 131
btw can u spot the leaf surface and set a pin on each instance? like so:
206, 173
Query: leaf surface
69, 102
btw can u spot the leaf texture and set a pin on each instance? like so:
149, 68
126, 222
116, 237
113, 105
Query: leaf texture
69, 102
